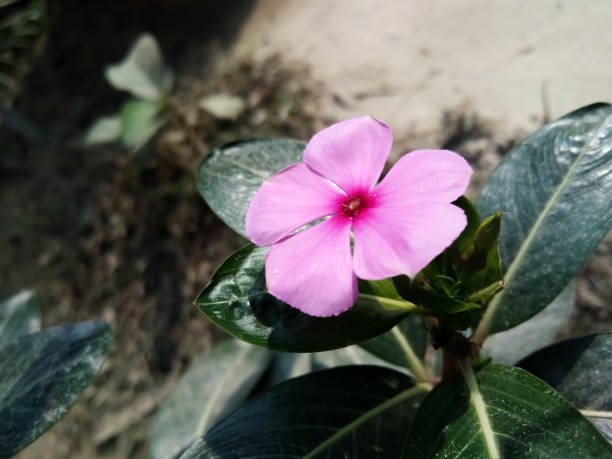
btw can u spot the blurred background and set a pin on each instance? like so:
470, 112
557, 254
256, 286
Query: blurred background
116, 229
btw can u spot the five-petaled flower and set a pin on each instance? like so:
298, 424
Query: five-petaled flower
397, 226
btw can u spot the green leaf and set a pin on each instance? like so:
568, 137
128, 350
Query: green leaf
441, 304
19, 316
142, 72
466, 238
236, 299
104, 129
355, 411
291, 365
501, 412
231, 175
402, 344
581, 369
555, 190
512, 345
383, 292
286, 366
383, 288
350, 355
214, 384
42, 375
139, 122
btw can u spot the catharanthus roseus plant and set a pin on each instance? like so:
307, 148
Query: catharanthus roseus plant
413, 323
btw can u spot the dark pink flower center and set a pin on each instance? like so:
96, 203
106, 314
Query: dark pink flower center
354, 205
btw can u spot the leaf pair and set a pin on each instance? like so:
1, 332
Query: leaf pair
145, 76
367, 411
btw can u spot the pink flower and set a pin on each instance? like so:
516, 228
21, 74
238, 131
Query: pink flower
398, 226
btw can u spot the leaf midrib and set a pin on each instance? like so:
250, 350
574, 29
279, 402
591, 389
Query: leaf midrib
485, 324
24, 389
378, 409
477, 401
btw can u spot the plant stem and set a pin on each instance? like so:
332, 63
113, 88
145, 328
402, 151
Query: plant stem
481, 333
399, 305
415, 365
449, 364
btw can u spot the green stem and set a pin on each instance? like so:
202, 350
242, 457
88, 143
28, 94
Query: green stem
399, 305
390, 403
415, 365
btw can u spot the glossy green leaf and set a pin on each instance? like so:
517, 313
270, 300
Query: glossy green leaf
19, 315
231, 175
42, 375
138, 122
501, 412
143, 72
581, 369
355, 411
236, 299
512, 345
215, 383
555, 190
406, 341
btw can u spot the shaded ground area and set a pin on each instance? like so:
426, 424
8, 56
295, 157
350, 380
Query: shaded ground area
105, 233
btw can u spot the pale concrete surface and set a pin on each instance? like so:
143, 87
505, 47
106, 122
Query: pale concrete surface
406, 62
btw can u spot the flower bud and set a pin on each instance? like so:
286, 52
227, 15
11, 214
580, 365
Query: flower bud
485, 240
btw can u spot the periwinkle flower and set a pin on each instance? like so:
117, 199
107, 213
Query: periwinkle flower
398, 226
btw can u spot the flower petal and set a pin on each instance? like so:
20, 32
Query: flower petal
425, 176
287, 201
403, 240
351, 153
313, 271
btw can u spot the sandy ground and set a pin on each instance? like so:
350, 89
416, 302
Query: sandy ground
513, 63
